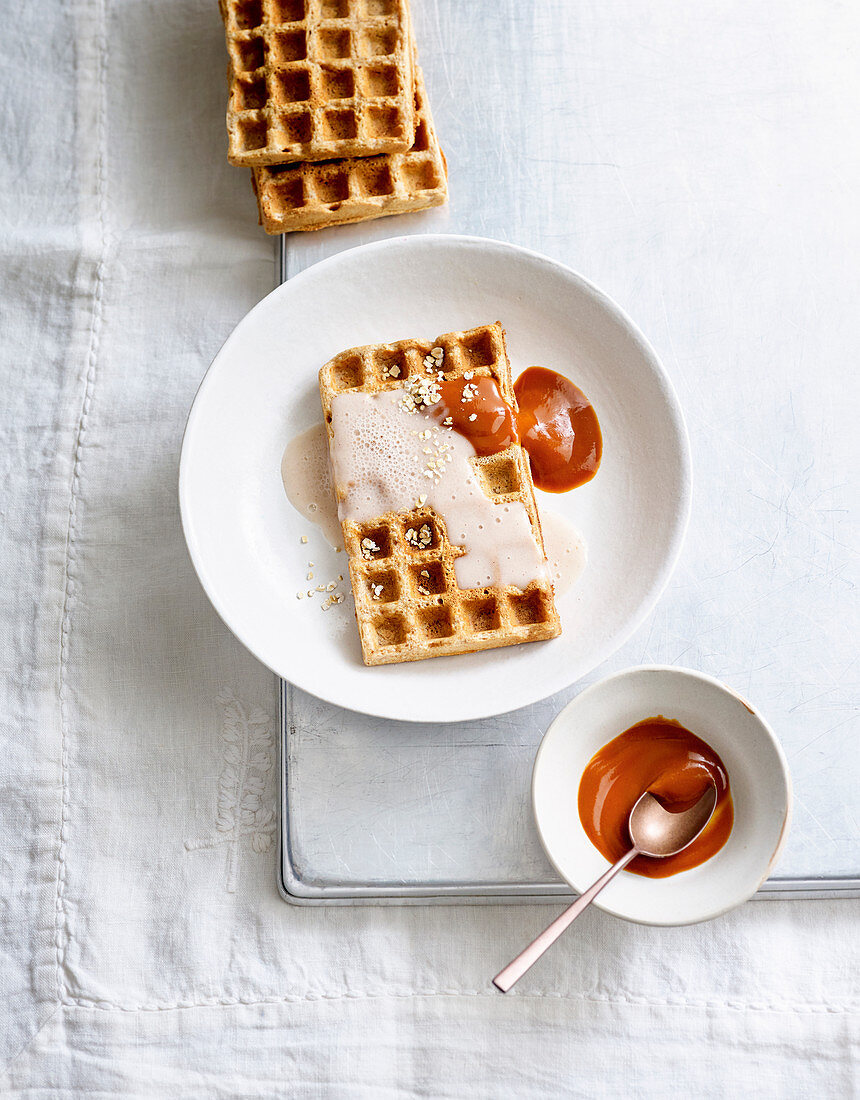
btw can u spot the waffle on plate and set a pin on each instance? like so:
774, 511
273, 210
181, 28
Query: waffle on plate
408, 603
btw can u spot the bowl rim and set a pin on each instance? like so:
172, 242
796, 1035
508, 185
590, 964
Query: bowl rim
784, 772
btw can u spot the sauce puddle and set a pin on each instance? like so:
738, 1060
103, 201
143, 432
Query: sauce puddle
566, 553
558, 427
307, 481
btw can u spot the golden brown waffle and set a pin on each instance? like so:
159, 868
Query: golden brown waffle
314, 196
407, 602
317, 79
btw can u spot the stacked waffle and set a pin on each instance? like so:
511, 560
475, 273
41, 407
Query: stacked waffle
328, 108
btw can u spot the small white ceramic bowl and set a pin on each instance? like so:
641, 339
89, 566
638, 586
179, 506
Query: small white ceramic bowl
758, 777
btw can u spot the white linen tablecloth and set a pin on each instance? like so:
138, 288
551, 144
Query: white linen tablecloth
145, 950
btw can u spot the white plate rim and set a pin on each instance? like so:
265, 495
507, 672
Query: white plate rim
627, 325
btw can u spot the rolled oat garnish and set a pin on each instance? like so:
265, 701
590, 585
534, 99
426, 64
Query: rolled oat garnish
420, 393
368, 548
421, 538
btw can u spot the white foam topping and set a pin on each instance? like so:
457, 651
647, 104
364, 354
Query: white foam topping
385, 459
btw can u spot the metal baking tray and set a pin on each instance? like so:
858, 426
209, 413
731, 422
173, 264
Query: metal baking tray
376, 812
381, 812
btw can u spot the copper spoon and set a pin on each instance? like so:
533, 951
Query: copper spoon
655, 832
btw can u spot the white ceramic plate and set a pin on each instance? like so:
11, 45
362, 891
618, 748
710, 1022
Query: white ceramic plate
244, 536
758, 779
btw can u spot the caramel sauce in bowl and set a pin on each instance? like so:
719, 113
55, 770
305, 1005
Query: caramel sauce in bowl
661, 756
712, 729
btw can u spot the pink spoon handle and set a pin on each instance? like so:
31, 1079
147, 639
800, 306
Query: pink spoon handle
527, 958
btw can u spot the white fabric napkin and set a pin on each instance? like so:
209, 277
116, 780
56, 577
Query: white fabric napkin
145, 950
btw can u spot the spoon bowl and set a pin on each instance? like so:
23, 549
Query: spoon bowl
658, 832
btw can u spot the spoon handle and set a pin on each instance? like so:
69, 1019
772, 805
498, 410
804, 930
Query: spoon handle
528, 957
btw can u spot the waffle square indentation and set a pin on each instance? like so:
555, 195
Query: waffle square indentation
347, 374
333, 187
483, 615
289, 193
390, 629
336, 83
285, 11
428, 578
252, 133
332, 43
375, 543
423, 176
338, 125
377, 41
499, 475
390, 366
249, 94
436, 622
529, 608
290, 86
293, 129
384, 122
247, 53
421, 535
480, 351
383, 587
422, 140
380, 80
376, 181
334, 9
247, 14
287, 46
380, 7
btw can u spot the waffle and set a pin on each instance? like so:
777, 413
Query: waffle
314, 196
317, 79
419, 610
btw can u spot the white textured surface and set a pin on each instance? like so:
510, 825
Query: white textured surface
700, 164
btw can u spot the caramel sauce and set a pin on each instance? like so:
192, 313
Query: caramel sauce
661, 756
494, 426
555, 423
559, 429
